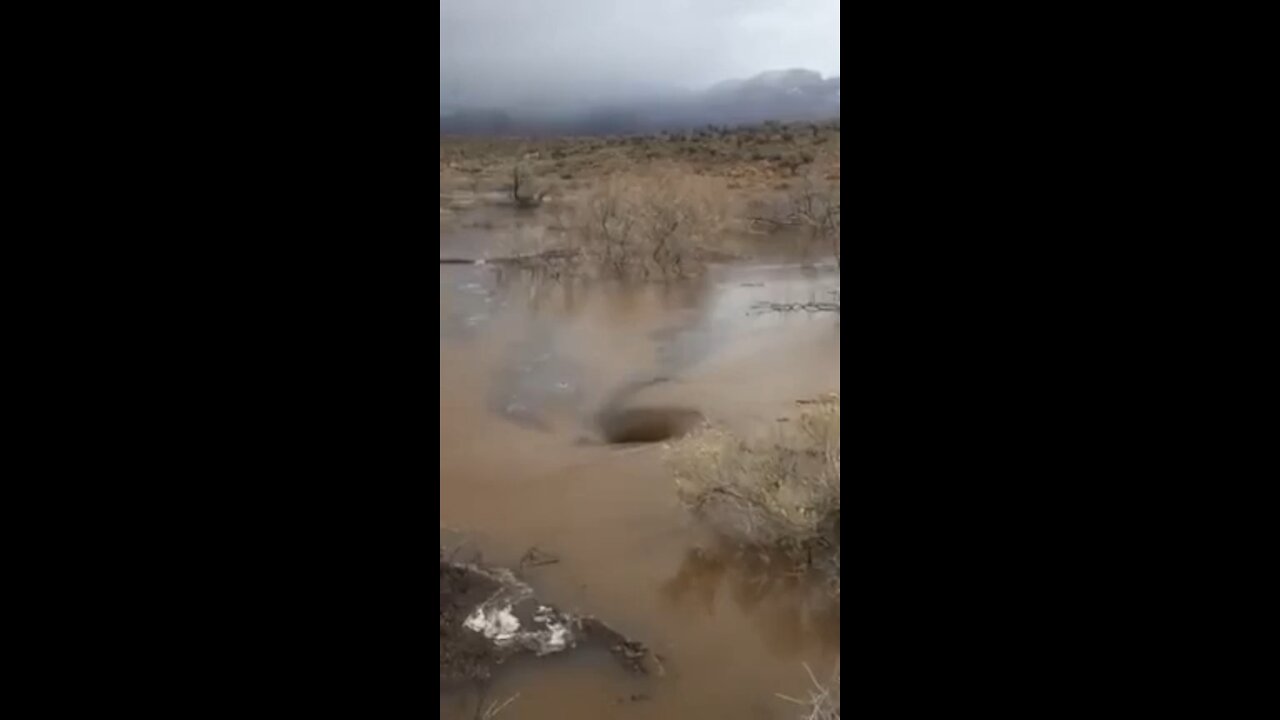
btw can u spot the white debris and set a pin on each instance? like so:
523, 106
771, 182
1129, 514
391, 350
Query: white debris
556, 641
556, 636
496, 624
550, 632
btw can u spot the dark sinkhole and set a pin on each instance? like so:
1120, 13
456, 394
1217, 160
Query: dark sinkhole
647, 425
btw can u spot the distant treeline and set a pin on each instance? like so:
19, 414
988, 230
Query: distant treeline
792, 96
498, 122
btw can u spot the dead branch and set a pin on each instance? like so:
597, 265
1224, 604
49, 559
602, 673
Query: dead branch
542, 257
812, 306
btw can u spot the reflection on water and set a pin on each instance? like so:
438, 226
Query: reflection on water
556, 332
526, 362
792, 610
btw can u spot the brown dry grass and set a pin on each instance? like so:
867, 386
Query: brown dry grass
754, 159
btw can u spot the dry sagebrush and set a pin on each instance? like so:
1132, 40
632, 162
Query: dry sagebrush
785, 493
650, 226
811, 207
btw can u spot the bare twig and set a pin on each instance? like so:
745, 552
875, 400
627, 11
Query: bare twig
534, 557
823, 702
495, 708
547, 256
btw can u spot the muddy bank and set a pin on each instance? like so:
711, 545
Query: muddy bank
488, 616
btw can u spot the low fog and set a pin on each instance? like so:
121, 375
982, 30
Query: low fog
552, 58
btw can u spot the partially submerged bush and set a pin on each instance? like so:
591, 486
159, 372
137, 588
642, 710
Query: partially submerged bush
649, 226
813, 206
521, 193
780, 494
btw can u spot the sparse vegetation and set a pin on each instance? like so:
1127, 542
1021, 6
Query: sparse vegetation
656, 207
731, 153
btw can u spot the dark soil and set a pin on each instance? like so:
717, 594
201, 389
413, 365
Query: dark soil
464, 655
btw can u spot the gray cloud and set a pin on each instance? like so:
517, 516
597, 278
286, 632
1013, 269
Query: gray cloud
556, 51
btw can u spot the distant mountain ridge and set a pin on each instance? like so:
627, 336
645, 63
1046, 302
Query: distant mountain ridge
791, 95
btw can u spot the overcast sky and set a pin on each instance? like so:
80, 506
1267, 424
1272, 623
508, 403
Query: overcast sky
511, 51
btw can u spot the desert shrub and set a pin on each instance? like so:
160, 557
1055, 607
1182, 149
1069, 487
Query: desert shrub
648, 226
811, 206
523, 194
794, 161
784, 493
817, 208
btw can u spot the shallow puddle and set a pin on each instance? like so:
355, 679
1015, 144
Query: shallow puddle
528, 366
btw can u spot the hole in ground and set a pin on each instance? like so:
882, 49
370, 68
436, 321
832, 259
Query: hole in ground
647, 425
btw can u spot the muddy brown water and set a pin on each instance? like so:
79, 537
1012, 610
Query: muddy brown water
527, 366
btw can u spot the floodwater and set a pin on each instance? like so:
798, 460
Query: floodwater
526, 363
